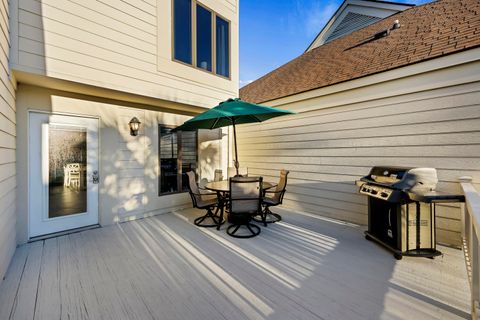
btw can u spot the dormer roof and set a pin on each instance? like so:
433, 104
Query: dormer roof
353, 15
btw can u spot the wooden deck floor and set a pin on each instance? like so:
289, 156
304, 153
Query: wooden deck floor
166, 268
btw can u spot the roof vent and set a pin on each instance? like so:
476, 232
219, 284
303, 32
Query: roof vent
396, 25
381, 34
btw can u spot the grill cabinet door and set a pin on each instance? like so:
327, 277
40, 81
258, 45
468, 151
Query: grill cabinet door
423, 238
384, 221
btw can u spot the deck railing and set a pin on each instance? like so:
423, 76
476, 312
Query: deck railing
470, 237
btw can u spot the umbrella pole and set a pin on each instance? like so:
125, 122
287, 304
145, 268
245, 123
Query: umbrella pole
235, 143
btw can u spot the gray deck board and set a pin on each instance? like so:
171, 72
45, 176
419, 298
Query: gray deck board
48, 293
25, 300
9, 287
164, 267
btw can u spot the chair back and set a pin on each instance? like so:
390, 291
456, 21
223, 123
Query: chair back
232, 172
218, 175
245, 195
73, 168
281, 187
193, 188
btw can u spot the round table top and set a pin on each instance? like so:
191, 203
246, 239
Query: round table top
224, 186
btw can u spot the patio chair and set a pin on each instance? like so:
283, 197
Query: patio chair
218, 175
273, 198
245, 200
206, 201
232, 172
73, 180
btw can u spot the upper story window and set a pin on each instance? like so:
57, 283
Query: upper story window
201, 37
204, 38
182, 30
223, 47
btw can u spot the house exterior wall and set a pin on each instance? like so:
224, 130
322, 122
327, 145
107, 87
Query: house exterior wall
7, 148
129, 166
430, 119
113, 60
125, 46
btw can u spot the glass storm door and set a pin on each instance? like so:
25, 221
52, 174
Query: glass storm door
63, 173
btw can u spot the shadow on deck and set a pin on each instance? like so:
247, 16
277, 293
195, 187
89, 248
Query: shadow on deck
164, 267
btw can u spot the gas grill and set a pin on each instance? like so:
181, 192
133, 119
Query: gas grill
401, 209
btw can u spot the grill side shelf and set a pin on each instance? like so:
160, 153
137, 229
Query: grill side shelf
435, 197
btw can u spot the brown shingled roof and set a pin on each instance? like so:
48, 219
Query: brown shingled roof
428, 31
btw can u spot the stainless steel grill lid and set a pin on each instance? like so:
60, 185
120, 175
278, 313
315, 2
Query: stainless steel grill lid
391, 183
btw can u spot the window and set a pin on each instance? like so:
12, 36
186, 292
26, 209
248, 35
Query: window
178, 155
204, 38
223, 47
201, 37
182, 30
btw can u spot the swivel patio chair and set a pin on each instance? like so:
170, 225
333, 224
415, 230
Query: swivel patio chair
206, 201
271, 199
245, 200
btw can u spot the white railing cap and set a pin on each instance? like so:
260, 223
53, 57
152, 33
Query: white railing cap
465, 179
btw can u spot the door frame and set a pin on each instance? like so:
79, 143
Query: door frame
31, 111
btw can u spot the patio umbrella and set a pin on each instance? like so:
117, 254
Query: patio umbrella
230, 113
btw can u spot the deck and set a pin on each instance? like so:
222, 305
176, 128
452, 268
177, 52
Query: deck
166, 268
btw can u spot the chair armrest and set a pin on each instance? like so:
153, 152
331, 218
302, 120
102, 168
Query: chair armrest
208, 193
205, 191
266, 191
203, 194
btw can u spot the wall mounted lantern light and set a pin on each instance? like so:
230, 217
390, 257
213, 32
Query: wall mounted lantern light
134, 125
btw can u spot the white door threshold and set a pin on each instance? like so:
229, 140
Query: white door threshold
62, 233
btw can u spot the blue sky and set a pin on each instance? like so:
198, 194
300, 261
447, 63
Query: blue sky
273, 32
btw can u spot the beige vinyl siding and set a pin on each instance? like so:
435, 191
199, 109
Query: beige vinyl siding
7, 149
327, 149
112, 44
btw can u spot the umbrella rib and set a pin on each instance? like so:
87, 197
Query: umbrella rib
255, 117
214, 124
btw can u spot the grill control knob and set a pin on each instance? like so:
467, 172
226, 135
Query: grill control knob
374, 192
384, 194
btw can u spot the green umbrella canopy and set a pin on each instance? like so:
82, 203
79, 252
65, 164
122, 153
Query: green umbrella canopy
232, 112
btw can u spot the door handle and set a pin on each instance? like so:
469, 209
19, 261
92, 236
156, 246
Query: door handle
95, 177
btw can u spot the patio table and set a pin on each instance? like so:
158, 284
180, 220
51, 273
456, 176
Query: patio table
222, 188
